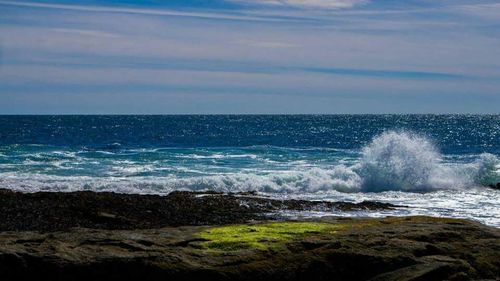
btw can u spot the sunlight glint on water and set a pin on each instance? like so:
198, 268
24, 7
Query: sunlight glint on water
438, 165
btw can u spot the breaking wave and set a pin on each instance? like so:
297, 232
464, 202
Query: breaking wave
397, 161
404, 161
410, 162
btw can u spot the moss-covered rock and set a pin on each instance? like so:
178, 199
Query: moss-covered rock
408, 248
263, 236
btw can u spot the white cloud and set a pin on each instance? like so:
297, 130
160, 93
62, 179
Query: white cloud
137, 11
329, 4
487, 11
129, 39
86, 32
266, 44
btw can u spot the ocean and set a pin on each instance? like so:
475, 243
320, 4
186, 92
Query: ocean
437, 165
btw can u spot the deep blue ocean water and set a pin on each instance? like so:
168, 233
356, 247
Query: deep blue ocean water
438, 164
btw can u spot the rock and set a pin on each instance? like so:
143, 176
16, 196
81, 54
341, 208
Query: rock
413, 248
185, 236
51, 211
497, 186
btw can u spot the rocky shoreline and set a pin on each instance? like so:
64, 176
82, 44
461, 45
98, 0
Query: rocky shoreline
52, 211
213, 236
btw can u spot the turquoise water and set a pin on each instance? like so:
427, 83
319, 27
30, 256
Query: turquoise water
438, 164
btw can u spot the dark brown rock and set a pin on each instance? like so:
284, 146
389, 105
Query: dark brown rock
367, 249
50, 211
108, 236
495, 186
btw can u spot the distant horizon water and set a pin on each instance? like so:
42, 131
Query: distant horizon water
437, 165
245, 114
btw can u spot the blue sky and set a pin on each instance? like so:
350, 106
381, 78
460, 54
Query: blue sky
249, 56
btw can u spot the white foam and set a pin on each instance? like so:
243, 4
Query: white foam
216, 156
405, 161
393, 166
392, 161
487, 169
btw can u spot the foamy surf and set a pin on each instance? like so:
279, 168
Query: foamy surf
398, 161
402, 166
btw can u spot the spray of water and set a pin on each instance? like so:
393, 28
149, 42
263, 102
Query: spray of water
486, 170
399, 161
409, 162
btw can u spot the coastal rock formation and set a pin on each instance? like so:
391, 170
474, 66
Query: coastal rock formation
214, 236
51, 211
495, 186
411, 248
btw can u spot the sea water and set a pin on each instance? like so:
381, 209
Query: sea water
437, 165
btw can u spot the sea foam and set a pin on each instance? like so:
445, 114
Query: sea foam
398, 161
404, 161
397, 167
431, 163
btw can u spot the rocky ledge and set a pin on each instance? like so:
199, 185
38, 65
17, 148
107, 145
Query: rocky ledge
51, 211
411, 248
194, 236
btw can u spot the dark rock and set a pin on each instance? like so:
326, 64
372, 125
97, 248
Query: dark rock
112, 247
50, 211
497, 186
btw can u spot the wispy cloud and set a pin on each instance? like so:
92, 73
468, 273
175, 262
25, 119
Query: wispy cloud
140, 11
86, 32
490, 10
330, 4
192, 65
266, 44
289, 53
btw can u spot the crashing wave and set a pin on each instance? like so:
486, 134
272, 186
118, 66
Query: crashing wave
486, 170
410, 162
403, 161
400, 161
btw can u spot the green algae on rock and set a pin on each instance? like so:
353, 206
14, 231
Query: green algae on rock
263, 236
407, 248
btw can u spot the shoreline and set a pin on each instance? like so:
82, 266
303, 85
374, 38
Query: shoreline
52, 211
216, 236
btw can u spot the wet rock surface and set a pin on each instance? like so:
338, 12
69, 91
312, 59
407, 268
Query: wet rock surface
108, 236
51, 211
411, 248
495, 186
